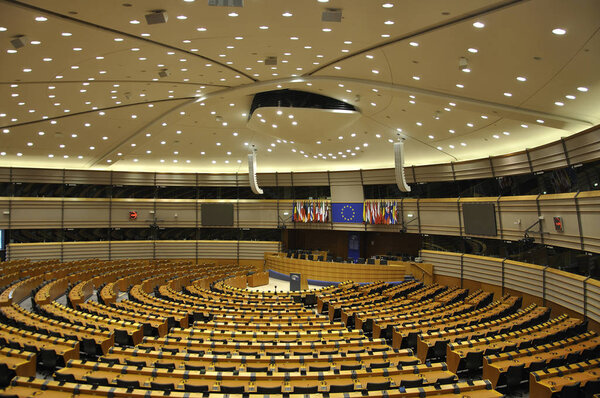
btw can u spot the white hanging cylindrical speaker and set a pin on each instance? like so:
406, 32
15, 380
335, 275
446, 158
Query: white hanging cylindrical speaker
252, 173
399, 162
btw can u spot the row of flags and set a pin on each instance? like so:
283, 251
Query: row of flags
369, 212
380, 212
311, 211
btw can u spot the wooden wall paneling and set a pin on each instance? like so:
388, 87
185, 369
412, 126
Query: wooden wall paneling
120, 209
410, 214
379, 176
344, 178
436, 172
38, 213
589, 207
583, 147
86, 213
562, 205
216, 180
438, 217
132, 178
5, 205
311, 179
79, 177
520, 209
512, 164
593, 299
253, 214
176, 179
479, 168
131, 249
255, 250
483, 269
523, 277
84, 250
381, 243
565, 289
548, 157
444, 263
176, 213
34, 251
175, 248
42, 176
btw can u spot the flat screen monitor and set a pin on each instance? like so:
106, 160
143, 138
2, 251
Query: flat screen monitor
479, 219
217, 214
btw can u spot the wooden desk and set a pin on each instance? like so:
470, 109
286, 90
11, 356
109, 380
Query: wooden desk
456, 352
27, 387
496, 365
22, 362
544, 384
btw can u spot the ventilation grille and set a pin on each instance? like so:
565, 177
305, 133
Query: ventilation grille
332, 15
271, 61
226, 3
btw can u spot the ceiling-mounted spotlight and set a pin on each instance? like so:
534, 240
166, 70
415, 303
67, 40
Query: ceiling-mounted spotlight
18, 41
436, 115
332, 15
163, 73
463, 64
156, 17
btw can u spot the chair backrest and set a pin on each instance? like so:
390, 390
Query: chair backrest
378, 386
410, 383
162, 386
514, 375
268, 390
341, 387
306, 390
194, 388
571, 391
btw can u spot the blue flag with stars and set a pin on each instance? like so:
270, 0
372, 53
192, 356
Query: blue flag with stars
347, 212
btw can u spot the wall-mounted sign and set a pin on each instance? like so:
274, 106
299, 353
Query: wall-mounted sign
558, 224
133, 215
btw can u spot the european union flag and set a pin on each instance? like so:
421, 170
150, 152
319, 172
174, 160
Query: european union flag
347, 212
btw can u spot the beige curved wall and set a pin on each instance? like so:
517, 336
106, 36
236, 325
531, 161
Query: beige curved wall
563, 291
580, 213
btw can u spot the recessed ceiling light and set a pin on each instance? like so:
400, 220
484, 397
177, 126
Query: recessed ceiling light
466, 70
431, 137
416, 78
27, 70
389, 22
134, 22
508, 94
470, 124
558, 103
569, 96
414, 44
559, 31
451, 146
92, 148
181, 17
118, 39
496, 136
473, 50
478, 24
521, 78
287, 14
36, 42
463, 144
66, 34
460, 85
47, 59
326, 29
41, 19
387, 5
582, 89
505, 133
263, 27
524, 126
2, 29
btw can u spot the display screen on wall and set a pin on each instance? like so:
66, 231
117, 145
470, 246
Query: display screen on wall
217, 214
479, 219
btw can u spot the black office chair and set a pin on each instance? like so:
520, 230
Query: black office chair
97, 381
128, 383
194, 388
306, 390
225, 368
199, 353
111, 361
6, 375
410, 383
88, 348
47, 359
378, 386
591, 388
571, 391
67, 378
162, 386
383, 262
356, 351
358, 366
199, 368
514, 376
319, 368
340, 388
473, 361
122, 338
232, 389
408, 363
371, 261
439, 349
257, 369
165, 365
170, 350
268, 390
445, 380
537, 365
284, 369
139, 364
379, 365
